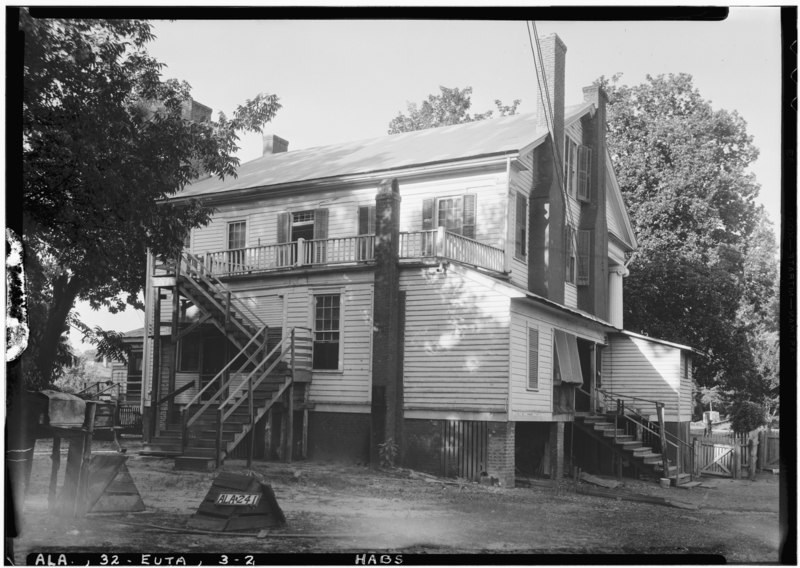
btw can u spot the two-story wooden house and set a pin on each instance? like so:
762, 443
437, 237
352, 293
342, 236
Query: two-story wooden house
454, 292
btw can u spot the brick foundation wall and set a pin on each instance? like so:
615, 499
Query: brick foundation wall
338, 436
424, 449
501, 452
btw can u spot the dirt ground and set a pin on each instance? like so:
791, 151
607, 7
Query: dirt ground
349, 508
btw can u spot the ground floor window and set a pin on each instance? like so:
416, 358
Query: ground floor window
327, 331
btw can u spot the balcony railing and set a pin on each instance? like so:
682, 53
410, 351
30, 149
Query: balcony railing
436, 244
439, 243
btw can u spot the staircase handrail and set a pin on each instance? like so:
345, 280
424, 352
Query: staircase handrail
614, 395
174, 393
217, 376
99, 392
247, 379
204, 272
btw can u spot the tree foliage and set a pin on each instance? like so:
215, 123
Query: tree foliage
450, 107
706, 269
105, 141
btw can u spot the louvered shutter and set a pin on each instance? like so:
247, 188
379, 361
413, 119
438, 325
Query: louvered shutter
533, 358
584, 249
569, 244
366, 220
284, 227
584, 165
320, 233
468, 226
427, 215
520, 223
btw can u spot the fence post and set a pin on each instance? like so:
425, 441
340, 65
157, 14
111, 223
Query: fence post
737, 454
762, 444
753, 443
663, 436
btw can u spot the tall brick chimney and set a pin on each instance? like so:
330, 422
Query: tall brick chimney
546, 264
552, 74
387, 380
274, 145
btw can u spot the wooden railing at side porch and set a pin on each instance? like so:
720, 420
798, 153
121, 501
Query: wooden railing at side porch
439, 243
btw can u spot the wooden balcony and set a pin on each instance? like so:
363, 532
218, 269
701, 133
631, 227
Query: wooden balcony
420, 245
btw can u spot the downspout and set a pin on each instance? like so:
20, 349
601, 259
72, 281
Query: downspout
507, 270
507, 247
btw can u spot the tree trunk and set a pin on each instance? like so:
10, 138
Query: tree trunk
65, 291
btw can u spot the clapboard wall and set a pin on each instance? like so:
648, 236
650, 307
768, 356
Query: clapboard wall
536, 404
456, 342
647, 369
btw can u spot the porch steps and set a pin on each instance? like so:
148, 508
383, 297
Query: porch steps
642, 457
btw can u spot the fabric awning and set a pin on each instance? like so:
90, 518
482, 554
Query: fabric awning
569, 362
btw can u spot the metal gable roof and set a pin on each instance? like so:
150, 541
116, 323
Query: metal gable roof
392, 152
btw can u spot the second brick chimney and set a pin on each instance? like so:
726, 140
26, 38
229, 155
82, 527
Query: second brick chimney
274, 145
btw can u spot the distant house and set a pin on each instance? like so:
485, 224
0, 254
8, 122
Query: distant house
129, 374
456, 292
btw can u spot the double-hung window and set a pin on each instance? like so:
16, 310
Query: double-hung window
455, 214
327, 331
237, 239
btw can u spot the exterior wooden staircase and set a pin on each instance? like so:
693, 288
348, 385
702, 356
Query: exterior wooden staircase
628, 431
263, 371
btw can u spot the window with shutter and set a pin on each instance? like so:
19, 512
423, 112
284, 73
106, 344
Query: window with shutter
520, 227
533, 358
456, 214
584, 165
584, 249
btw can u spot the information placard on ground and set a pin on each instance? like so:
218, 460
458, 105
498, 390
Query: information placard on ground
238, 502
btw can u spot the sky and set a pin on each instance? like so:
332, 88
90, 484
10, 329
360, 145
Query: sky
342, 80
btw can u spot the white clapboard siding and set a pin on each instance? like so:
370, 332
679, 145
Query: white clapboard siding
262, 216
521, 183
456, 342
646, 369
524, 315
489, 188
571, 293
351, 385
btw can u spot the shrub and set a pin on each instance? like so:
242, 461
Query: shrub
747, 416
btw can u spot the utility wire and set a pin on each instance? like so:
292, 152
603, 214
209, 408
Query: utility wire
544, 95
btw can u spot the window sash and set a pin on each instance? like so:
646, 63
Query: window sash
327, 331
237, 235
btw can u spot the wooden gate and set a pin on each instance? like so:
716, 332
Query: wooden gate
723, 455
769, 449
465, 448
